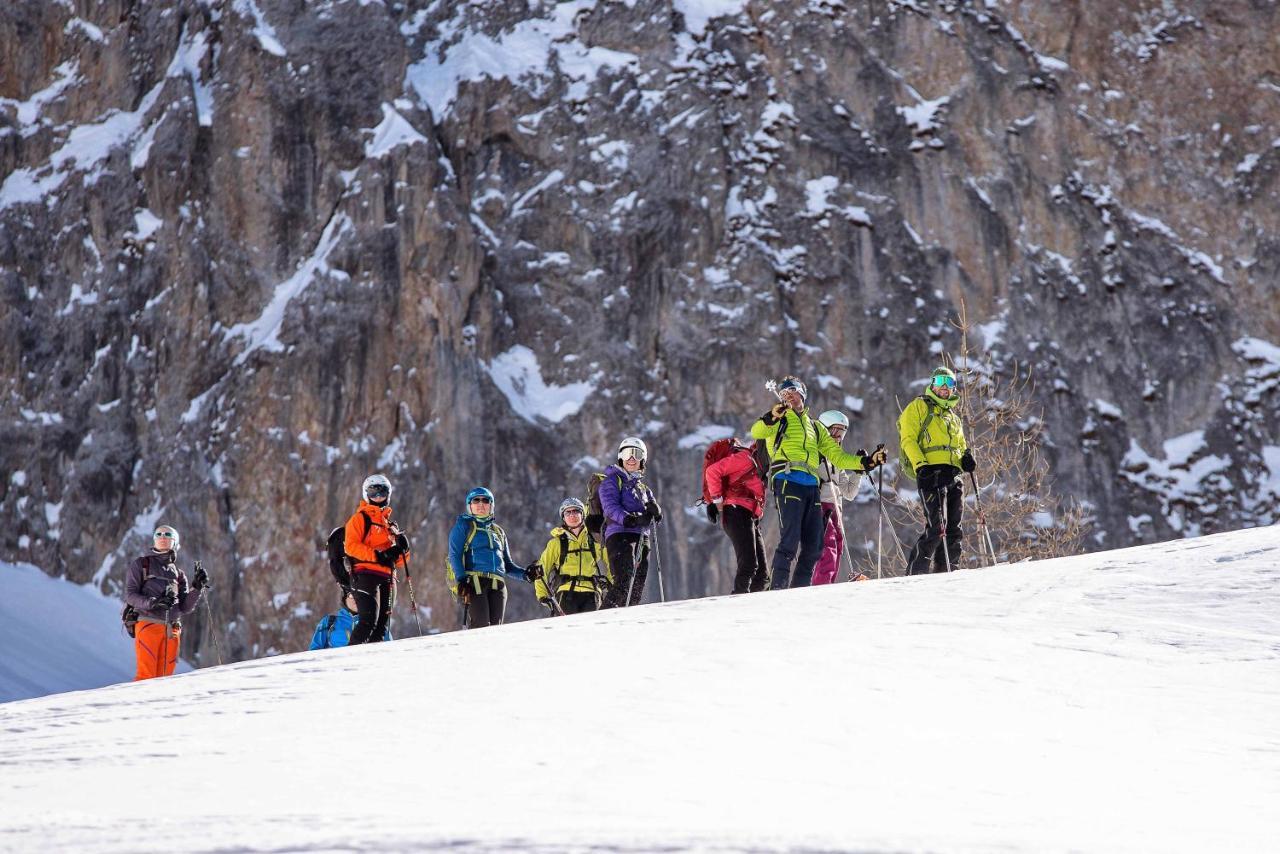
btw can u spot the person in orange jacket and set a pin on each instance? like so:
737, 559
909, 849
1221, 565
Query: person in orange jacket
375, 545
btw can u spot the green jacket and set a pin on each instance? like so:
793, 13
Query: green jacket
939, 442
574, 568
804, 443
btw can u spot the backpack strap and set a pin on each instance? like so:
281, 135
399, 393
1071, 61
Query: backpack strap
924, 430
328, 630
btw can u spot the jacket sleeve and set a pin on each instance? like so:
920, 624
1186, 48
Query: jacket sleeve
760, 430
133, 594
961, 444
611, 500
849, 483
317, 639
836, 455
457, 540
511, 567
188, 598
353, 541
714, 479
909, 433
549, 560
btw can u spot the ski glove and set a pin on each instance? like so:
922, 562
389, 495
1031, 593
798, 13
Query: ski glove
651, 507
533, 570
875, 459
389, 555
201, 579
162, 603
966, 463
713, 514
774, 414
637, 520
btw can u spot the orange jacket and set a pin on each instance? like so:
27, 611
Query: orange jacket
363, 539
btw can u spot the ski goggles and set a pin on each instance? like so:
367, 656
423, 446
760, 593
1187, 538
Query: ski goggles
378, 490
944, 382
631, 454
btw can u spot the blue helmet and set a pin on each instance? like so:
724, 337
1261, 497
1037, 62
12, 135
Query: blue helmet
480, 492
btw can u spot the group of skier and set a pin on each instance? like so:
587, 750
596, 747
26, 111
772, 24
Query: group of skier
598, 554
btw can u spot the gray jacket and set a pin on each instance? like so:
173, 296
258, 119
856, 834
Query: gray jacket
160, 572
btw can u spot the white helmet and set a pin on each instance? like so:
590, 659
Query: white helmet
376, 483
170, 531
833, 418
632, 448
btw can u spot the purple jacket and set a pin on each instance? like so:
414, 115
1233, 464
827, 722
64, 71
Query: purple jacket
621, 493
160, 573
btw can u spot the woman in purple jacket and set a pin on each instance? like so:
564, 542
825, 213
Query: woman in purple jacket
158, 590
629, 510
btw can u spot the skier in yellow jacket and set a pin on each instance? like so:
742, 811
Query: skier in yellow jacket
574, 568
797, 444
934, 447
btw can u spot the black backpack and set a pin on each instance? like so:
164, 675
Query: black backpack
339, 563
129, 615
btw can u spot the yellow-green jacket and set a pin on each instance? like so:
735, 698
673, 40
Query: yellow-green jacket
579, 567
927, 441
804, 443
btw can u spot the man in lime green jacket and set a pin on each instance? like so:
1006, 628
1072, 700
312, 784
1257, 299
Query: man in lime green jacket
933, 444
797, 444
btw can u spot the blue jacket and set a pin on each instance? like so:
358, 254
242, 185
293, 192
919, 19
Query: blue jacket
621, 492
343, 622
488, 553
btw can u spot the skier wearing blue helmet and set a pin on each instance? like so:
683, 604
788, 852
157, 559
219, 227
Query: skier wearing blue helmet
479, 562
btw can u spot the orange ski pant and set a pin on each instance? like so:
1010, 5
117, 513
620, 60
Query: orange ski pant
157, 653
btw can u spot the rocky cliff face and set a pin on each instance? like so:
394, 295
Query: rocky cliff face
252, 250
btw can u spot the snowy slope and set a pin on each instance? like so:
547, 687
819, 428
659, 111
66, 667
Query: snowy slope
58, 636
1121, 701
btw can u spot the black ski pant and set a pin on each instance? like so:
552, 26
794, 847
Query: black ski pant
800, 518
743, 530
943, 499
578, 601
373, 604
625, 564
489, 605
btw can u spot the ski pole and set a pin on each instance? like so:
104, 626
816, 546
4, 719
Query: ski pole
208, 609
657, 562
880, 524
404, 562
946, 521
982, 519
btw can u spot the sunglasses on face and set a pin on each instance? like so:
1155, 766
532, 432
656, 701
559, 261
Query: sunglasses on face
163, 536
573, 512
482, 501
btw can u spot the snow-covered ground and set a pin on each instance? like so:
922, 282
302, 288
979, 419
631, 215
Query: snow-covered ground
1123, 701
58, 636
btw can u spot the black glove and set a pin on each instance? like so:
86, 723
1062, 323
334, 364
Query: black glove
464, 590
532, 571
546, 603
651, 507
637, 520
201, 578
713, 514
774, 414
402, 543
967, 464
389, 555
875, 459
163, 602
